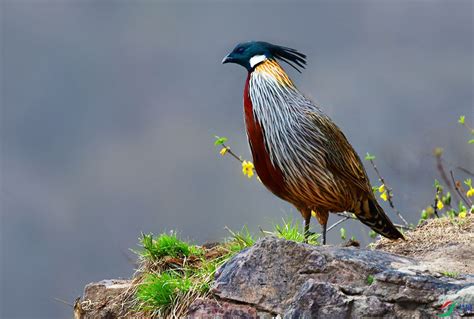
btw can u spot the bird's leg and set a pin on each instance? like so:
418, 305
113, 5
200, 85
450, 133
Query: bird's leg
324, 226
307, 220
306, 213
322, 216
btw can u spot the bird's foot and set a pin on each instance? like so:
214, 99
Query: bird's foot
308, 234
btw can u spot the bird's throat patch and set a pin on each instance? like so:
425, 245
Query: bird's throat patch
256, 60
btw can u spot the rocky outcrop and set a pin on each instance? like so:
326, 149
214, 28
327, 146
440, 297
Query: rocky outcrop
280, 278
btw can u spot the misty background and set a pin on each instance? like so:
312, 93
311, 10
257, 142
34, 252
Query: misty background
109, 108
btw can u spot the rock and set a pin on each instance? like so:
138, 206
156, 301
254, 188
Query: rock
440, 244
102, 300
464, 299
293, 280
318, 300
211, 308
277, 278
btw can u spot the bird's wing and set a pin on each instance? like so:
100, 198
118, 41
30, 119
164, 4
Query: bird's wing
341, 158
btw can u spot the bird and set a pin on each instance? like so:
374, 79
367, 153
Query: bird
298, 152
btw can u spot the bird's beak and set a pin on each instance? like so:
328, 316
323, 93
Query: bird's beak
228, 59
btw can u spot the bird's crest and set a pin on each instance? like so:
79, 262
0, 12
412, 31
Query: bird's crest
291, 56
250, 54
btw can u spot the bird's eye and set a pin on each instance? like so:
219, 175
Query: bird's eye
240, 50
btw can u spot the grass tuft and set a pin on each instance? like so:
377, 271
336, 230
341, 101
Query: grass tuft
240, 240
173, 273
157, 291
291, 230
165, 245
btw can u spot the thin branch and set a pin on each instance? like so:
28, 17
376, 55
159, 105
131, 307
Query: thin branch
465, 170
64, 302
232, 153
469, 128
338, 222
458, 187
438, 153
389, 192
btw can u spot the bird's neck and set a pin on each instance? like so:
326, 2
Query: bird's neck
271, 70
272, 93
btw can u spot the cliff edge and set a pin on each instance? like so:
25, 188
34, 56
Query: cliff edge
428, 274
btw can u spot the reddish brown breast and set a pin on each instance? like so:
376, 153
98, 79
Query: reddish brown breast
270, 175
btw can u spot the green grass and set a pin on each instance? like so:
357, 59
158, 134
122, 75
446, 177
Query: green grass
291, 230
451, 274
240, 240
165, 245
173, 273
343, 233
159, 290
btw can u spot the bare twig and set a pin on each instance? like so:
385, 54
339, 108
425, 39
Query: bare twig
465, 170
389, 192
338, 222
462, 169
438, 153
469, 128
63, 302
232, 153
459, 189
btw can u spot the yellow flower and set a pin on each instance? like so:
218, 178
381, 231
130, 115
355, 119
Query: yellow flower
462, 214
223, 151
439, 205
313, 213
384, 196
382, 188
470, 192
247, 169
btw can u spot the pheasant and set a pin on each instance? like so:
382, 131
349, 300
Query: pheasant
299, 153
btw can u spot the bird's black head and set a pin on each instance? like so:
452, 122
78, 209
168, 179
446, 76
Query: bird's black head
250, 54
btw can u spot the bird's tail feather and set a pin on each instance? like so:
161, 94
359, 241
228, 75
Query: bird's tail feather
373, 216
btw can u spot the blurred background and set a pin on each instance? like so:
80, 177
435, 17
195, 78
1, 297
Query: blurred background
109, 108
